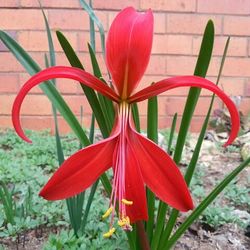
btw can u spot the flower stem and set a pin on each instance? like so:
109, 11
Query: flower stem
144, 243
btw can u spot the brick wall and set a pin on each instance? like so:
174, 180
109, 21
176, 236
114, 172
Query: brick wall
179, 25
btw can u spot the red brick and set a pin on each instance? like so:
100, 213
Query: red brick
245, 106
176, 104
191, 23
75, 103
237, 46
36, 105
8, 63
83, 40
5, 121
73, 19
114, 4
231, 85
170, 5
180, 65
247, 88
23, 19
9, 83
185, 65
6, 102
157, 65
36, 122
237, 67
38, 41
160, 23
49, 4
236, 25
172, 44
224, 6
9, 3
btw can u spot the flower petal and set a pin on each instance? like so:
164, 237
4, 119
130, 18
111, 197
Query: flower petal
135, 190
128, 48
80, 170
192, 81
160, 173
51, 73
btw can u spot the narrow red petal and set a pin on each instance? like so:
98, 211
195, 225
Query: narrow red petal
160, 173
80, 170
128, 48
192, 81
51, 73
135, 190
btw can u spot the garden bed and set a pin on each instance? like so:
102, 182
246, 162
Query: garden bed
222, 225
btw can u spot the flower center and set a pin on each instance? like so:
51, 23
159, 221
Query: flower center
118, 195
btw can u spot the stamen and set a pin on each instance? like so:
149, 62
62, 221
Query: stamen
109, 233
126, 202
124, 223
107, 213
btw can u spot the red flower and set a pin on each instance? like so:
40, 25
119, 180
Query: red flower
135, 159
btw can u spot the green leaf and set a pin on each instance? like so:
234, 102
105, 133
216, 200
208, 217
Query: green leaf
152, 133
194, 93
105, 103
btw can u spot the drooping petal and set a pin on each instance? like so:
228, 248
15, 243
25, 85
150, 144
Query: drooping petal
135, 190
128, 48
51, 73
160, 173
81, 169
192, 81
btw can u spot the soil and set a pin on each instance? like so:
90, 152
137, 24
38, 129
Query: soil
199, 236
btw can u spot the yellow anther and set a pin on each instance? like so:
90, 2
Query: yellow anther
125, 221
121, 223
126, 202
107, 213
109, 233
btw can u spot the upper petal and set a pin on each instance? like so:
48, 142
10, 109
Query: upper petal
192, 81
129, 44
51, 73
160, 173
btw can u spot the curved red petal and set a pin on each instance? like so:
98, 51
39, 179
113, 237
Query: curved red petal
51, 73
80, 170
135, 190
160, 173
128, 48
192, 81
